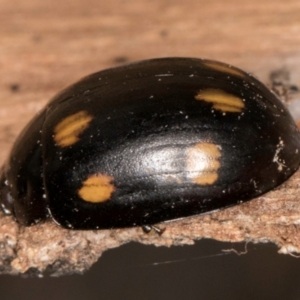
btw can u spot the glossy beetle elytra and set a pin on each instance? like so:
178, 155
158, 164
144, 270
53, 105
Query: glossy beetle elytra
149, 142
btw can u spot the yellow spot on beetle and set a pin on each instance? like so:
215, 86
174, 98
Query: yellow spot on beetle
221, 100
203, 163
97, 188
224, 68
66, 133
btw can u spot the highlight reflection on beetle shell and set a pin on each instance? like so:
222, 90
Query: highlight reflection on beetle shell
149, 142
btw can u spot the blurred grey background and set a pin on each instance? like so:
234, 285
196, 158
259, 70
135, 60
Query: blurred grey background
201, 271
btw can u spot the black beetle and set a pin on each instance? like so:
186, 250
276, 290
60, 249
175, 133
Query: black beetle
149, 142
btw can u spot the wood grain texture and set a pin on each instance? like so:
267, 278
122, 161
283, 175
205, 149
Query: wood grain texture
46, 45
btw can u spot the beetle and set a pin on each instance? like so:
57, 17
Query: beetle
148, 142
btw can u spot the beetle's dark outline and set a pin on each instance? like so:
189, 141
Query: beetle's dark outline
37, 165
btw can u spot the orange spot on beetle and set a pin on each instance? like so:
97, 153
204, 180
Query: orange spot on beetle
221, 100
66, 133
224, 68
97, 188
203, 163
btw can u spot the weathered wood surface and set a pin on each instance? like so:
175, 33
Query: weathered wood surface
46, 45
